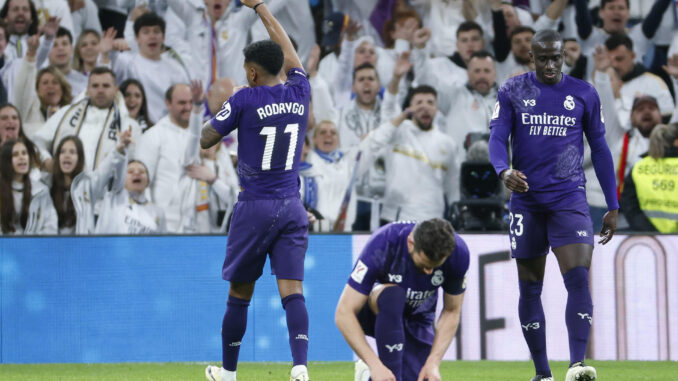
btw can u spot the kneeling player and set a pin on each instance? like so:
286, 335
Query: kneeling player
392, 295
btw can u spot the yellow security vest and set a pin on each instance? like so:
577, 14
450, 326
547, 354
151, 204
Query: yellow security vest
656, 182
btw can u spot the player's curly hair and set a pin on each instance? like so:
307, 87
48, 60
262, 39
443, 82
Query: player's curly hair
435, 238
265, 53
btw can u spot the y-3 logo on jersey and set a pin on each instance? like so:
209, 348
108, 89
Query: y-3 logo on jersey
395, 347
529, 102
395, 278
582, 233
531, 326
585, 316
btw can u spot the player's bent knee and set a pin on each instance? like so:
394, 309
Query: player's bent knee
241, 290
391, 301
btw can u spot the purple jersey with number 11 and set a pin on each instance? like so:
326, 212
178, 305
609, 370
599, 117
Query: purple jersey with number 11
271, 123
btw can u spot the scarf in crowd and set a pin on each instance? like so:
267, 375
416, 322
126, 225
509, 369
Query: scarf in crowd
72, 120
331, 157
310, 195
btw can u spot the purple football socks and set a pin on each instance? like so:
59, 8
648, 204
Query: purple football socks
533, 324
297, 326
389, 330
232, 330
579, 311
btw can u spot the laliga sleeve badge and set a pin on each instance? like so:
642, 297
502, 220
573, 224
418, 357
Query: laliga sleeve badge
569, 103
602, 117
225, 112
513, 243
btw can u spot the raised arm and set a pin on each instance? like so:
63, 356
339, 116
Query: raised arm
276, 32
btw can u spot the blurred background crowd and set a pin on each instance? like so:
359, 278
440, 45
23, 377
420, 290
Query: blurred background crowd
102, 103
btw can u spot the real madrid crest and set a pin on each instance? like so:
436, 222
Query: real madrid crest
438, 278
569, 103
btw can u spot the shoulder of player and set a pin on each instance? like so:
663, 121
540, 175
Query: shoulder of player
516, 83
578, 83
461, 254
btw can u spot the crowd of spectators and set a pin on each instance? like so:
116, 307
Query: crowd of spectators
102, 103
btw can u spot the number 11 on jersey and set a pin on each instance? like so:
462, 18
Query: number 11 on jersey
270, 132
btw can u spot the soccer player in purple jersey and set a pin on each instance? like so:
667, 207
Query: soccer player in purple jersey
546, 113
269, 218
392, 295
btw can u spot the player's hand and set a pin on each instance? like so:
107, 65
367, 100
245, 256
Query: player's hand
609, 226
381, 373
124, 140
671, 66
197, 92
200, 172
601, 60
402, 64
311, 217
51, 27
515, 180
421, 37
430, 372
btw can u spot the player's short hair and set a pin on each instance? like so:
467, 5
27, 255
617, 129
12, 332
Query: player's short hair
365, 66
149, 19
99, 70
434, 238
468, 26
64, 32
482, 54
603, 3
265, 53
618, 39
520, 29
570, 40
546, 35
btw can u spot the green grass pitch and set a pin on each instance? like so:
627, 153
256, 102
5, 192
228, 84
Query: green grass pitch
326, 371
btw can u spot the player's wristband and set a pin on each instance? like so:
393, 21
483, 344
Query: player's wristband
255, 7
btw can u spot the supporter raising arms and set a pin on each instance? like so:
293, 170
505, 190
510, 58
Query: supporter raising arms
155, 65
51, 92
75, 189
25, 204
126, 209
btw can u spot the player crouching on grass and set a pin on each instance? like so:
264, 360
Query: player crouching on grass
392, 295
